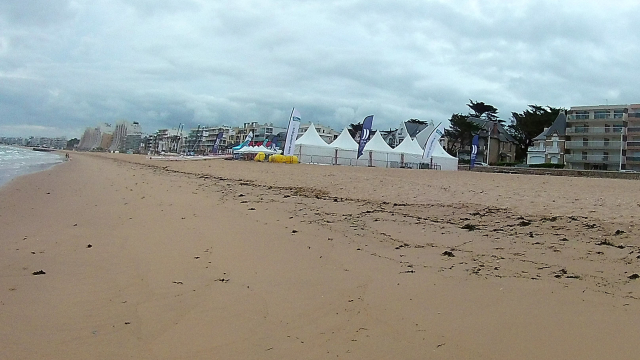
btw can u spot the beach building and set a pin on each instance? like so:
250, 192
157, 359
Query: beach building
495, 144
266, 132
13, 141
632, 151
596, 137
238, 134
203, 139
166, 141
390, 137
105, 140
325, 132
126, 137
92, 138
549, 146
47, 142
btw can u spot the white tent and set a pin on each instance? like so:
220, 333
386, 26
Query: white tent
378, 153
409, 146
265, 150
344, 141
345, 149
442, 158
246, 150
410, 152
310, 148
439, 156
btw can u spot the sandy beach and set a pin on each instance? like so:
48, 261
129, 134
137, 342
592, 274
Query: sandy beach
217, 259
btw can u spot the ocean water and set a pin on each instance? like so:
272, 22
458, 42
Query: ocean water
15, 161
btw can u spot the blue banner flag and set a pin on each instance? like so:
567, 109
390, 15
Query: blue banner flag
217, 144
364, 135
474, 151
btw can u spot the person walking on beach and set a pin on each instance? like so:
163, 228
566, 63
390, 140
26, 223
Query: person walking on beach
66, 156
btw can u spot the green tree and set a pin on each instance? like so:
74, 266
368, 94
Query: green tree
480, 109
354, 129
460, 133
529, 124
72, 143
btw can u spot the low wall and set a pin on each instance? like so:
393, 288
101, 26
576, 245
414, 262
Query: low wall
554, 172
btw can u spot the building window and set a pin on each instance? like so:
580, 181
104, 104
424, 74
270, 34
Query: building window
585, 142
606, 142
581, 114
605, 156
601, 114
617, 128
584, 155
582, 129
607, 128
618, 114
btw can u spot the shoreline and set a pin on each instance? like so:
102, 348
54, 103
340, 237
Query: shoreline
33, 168
247, 260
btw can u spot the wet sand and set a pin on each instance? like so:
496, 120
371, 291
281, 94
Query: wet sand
220, 259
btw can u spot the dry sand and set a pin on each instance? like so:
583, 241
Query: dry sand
239, 260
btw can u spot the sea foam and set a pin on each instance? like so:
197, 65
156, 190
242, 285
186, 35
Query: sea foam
15, 161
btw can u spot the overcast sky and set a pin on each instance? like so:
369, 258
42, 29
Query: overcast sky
66, 65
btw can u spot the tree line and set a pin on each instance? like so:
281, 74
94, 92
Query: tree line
524, 126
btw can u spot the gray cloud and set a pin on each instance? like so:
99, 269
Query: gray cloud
37, 13
65, 65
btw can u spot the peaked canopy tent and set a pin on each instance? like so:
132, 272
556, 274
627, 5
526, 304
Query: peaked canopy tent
344, 141
311, 149
378, 153
345, 149
442, 158
408, 146
410, 152
439, 157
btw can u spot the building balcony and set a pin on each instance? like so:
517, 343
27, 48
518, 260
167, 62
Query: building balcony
597, 144
633, 159
613, 131
536, 149
578, 158
593, 119
633, 144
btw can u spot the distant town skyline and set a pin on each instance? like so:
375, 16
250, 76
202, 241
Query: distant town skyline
67, 65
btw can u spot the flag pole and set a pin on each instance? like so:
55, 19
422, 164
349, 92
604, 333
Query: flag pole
489, 141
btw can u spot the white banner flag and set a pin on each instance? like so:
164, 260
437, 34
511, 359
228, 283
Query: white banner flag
292, 133
436, 134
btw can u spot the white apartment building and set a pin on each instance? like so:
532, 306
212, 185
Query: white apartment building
596, 137
632, 151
